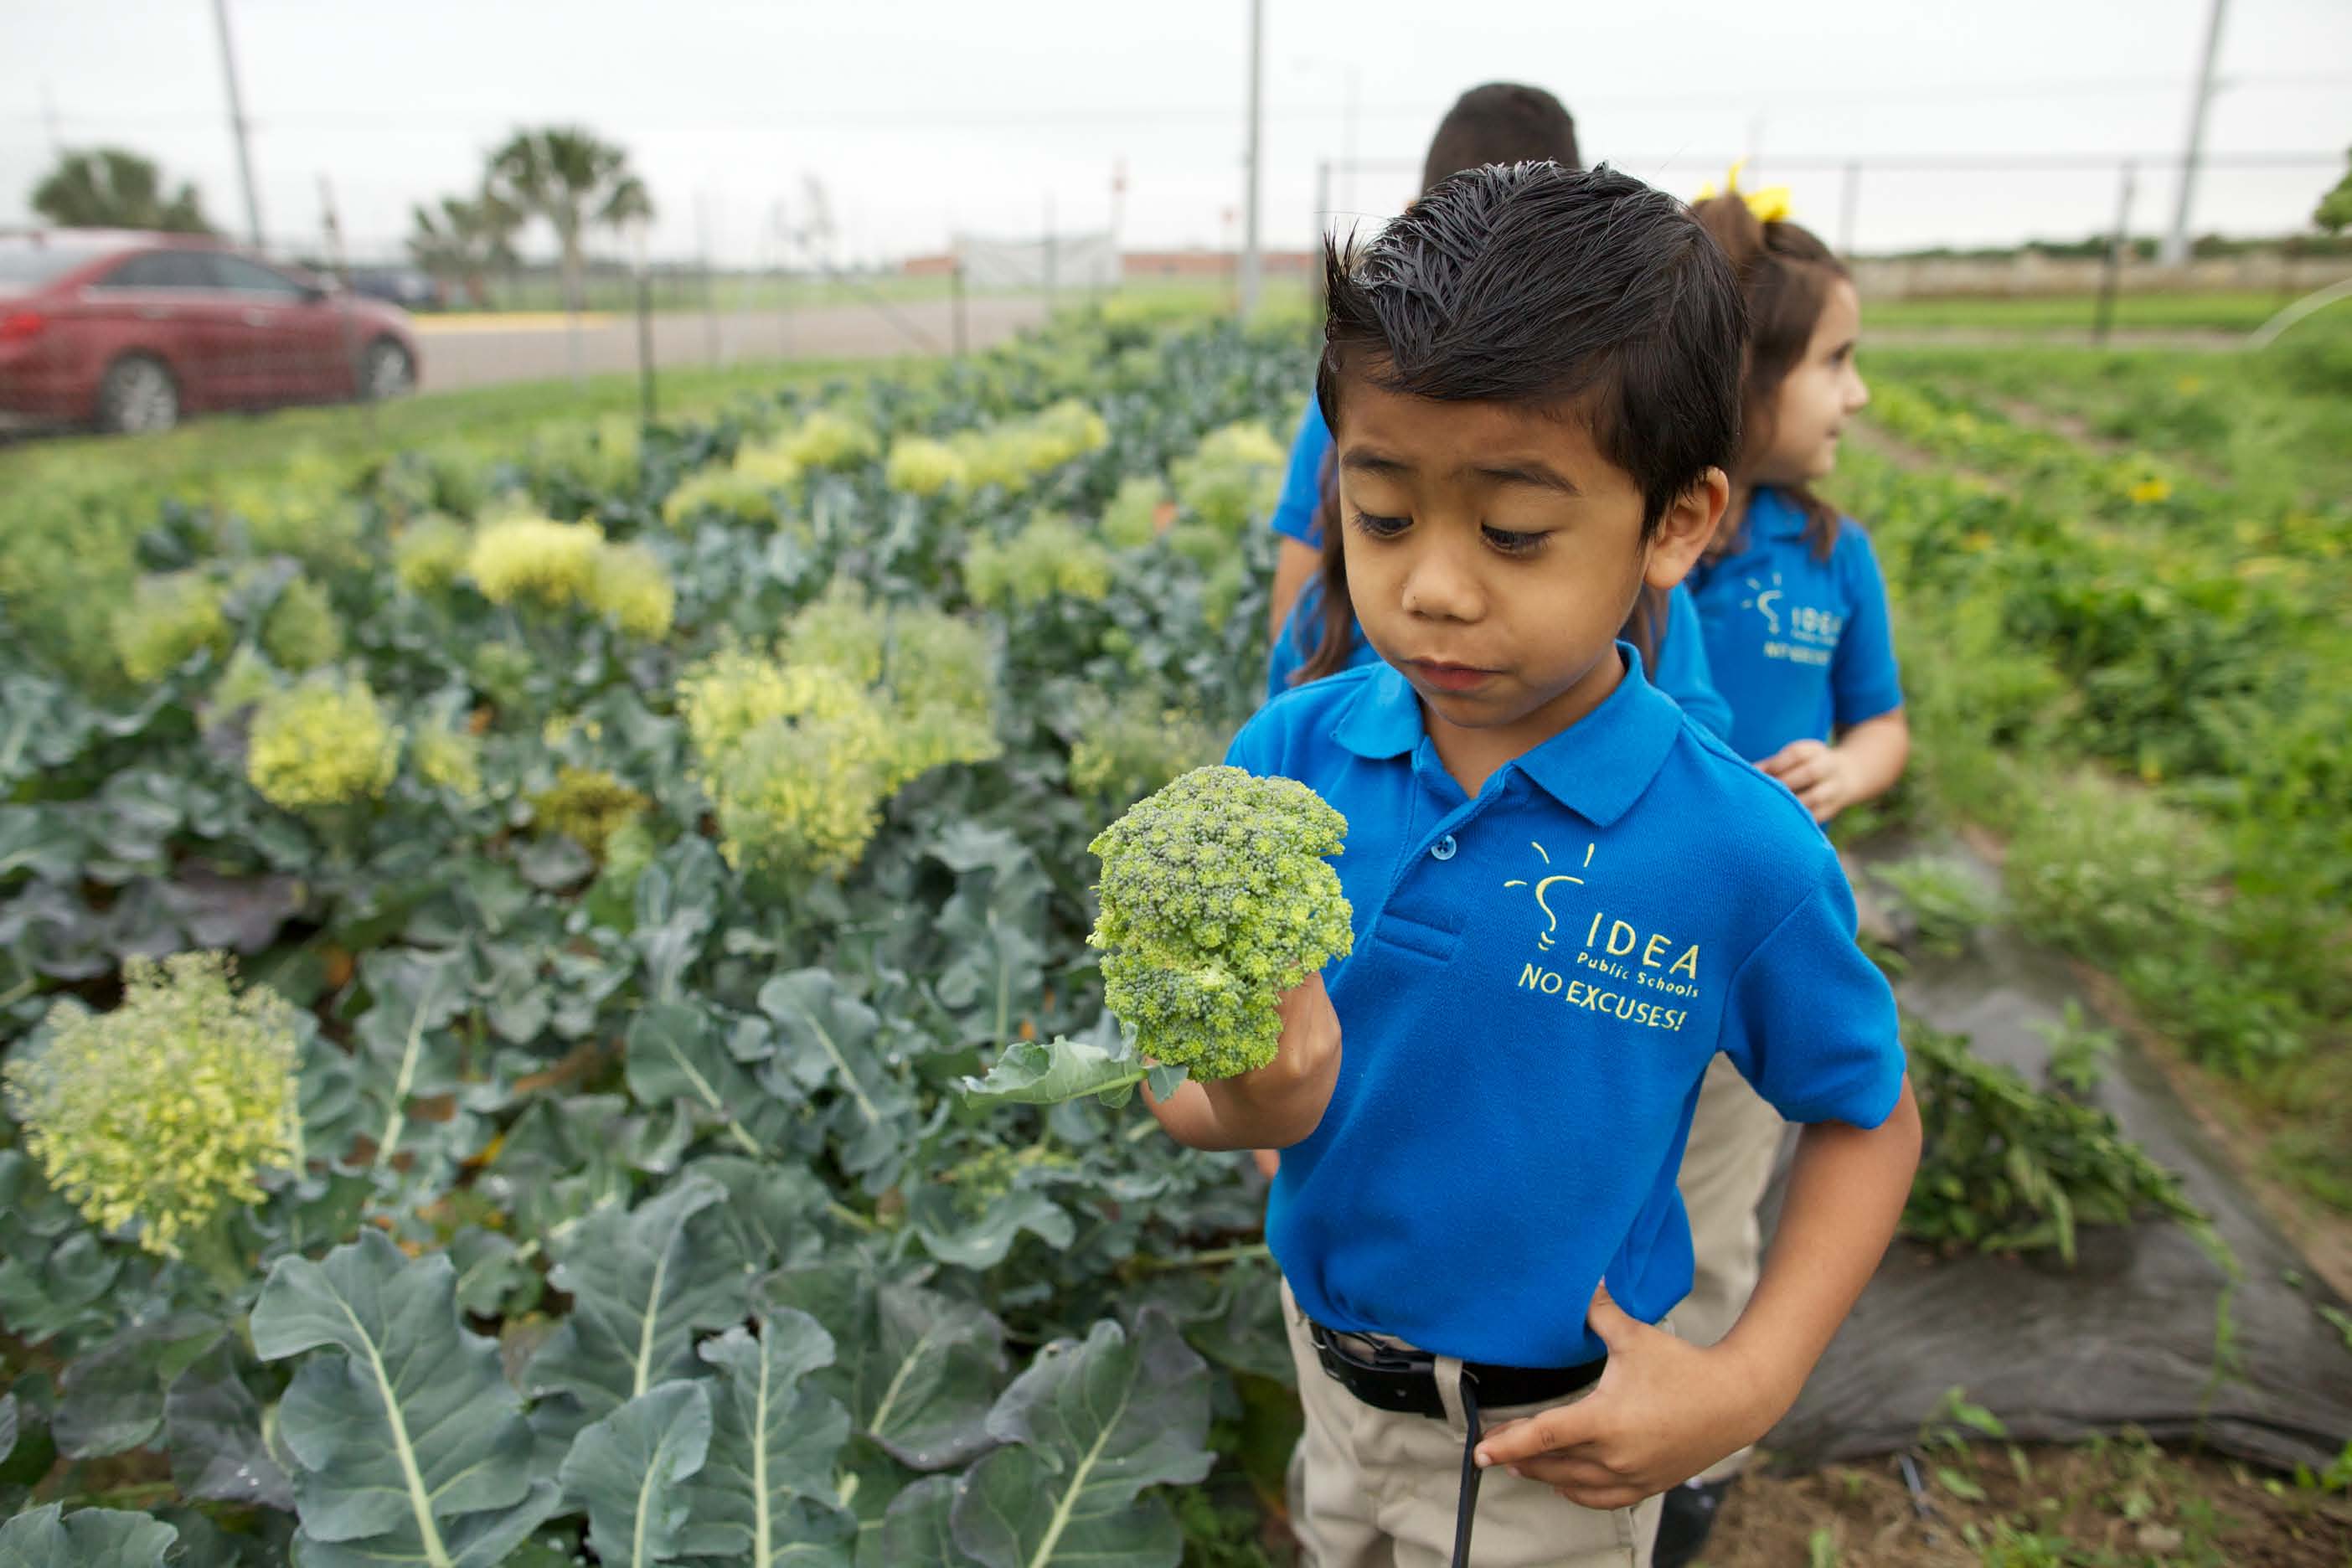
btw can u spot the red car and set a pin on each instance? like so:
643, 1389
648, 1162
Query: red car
135, 332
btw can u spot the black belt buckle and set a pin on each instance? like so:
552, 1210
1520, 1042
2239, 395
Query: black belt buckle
1406, 1381
1387, 1379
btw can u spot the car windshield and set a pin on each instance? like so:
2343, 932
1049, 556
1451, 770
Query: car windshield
25, 263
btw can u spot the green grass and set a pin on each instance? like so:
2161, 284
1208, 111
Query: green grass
232, 445
2272, 425
732, 292
2232, 311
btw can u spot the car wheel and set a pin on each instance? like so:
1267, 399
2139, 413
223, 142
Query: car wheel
385, 372
138, 397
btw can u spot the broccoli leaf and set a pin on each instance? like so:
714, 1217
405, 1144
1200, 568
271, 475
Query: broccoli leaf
630, 1469
410, 1441
918, 1369
1047, 1072
1089, 1426
767, 1493
916, 1529
642, 1282
51, 1538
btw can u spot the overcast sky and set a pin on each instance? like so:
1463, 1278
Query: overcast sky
923, 116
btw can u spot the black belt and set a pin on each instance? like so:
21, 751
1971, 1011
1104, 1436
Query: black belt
1387, 1378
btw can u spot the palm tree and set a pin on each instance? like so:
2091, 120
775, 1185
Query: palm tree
564, 174
108, 187
2334, 213
466, 241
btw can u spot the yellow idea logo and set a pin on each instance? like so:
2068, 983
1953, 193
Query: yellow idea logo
1616, 964
1611, 946
1543, 886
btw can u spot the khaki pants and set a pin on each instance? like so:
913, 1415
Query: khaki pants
1735, 1138
1370, 1489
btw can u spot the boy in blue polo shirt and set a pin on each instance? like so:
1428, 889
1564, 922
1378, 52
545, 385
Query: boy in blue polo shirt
1568, 899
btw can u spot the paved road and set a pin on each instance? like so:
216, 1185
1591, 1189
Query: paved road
460, 352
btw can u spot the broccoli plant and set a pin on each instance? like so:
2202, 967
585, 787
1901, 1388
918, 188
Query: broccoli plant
1216, 896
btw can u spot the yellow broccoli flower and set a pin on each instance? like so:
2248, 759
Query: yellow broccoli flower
796, 797
1130, 748
301, 632
448, 759
631, 587
729, 695
829, 440
940, 658
429, 554
535, 559
588, 806
840, 630
1234, 477
2151, 490
1135, 516
1050, 556
919, 466
248, 678
169, 1109
1011, 454
169, 618
323, 742
800, 754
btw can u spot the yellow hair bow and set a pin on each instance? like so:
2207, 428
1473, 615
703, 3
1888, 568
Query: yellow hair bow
1770, 204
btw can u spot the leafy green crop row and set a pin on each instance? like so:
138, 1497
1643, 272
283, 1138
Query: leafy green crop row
2135, 673
622, 888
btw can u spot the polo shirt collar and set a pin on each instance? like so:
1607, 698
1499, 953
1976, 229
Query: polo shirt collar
1597, 767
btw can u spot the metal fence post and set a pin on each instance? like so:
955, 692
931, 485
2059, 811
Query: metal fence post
2111, 274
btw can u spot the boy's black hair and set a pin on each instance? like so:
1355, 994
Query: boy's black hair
1585, 294
1541, 287
1501, 123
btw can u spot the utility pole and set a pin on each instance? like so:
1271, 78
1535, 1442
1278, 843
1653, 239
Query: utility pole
1348, 136
1252, 264
2176, 244
237, 124
49, 122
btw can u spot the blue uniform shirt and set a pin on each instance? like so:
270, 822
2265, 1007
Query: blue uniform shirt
1800, 646
1683, 672
1540, 977
1302, 482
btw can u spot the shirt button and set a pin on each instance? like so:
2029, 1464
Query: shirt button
1444, 848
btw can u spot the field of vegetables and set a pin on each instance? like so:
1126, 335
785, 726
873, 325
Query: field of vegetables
624, 845
2121, 583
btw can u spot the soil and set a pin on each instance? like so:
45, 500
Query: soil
2122, 1504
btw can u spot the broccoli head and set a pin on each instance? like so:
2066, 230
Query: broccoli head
1216, 898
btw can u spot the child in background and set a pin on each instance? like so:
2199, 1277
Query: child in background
1568, 899
1502, 122
1795, 620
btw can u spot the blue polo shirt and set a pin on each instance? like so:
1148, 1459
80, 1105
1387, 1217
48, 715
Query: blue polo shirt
1800, 646
1540, 977
1681, 658
1302, 482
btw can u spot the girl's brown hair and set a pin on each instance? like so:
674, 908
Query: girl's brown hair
1785, 273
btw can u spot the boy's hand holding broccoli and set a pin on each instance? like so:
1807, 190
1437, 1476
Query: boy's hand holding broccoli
1218, 911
